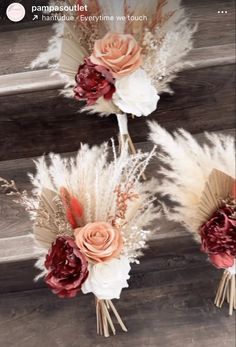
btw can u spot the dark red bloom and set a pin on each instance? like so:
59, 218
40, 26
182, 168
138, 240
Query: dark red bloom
218, 237
67, 268
92, 82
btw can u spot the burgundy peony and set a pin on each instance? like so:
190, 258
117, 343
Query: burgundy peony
219, 237
67, 267
93, 81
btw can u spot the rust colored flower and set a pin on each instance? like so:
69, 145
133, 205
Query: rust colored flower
92, 82
99, 241
218, 237
73, 208
67, 268
120, 53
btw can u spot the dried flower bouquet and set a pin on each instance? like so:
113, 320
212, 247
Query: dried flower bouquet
201, 180
120, 66
91, 220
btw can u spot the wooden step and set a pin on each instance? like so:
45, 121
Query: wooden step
45, 79
35, 119
169, 303
170, 299
21, 42
38, 120
16, 243
15, 240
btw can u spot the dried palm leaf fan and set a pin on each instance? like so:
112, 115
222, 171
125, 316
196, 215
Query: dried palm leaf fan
119, 55
201, 180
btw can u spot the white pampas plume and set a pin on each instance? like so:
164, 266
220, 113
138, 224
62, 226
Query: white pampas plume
51, 56
102, 107
97, 182
167, 46
187, 166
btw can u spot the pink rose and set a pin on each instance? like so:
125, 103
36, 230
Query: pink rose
120, 53
99, 241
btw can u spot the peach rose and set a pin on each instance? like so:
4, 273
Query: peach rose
99, 241
120, 53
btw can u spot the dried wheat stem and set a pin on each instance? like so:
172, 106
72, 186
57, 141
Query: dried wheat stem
220, 289
223, 294
232, 295
104, 320
123, 327
226, 291
109, 319
99, 318
97, 315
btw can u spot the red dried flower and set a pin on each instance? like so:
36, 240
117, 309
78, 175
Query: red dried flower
93, 81
73, 207
218, 237
67, 267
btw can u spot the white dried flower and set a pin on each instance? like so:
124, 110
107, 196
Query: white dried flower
107, 279
135, 94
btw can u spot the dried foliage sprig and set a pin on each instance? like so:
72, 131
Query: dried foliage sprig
28, 201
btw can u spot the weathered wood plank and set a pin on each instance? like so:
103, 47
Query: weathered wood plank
28, 82
212, 56
176, 251
14, 221
38, 122
169, 304
21, 248
213, 28
21, 45
40, 80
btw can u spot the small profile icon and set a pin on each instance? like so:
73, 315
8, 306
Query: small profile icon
15, 12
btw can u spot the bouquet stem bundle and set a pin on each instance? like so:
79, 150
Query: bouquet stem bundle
227, 291
104, 320
124, 136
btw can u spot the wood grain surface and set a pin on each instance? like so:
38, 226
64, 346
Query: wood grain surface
21, 42
46, 79
170, 299
169, 304
38, 122
14, 221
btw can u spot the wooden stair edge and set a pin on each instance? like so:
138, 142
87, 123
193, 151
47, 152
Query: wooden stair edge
159, 256
27, 163
46, 79
22, 248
